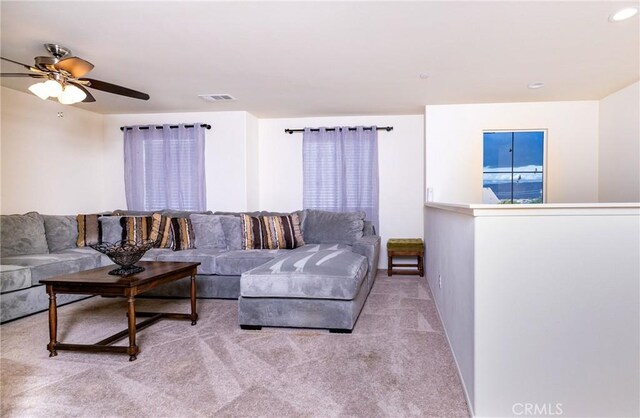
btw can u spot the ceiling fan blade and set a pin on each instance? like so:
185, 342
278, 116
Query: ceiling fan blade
75, 66
28, 67
89, 97
115, 89
22, 75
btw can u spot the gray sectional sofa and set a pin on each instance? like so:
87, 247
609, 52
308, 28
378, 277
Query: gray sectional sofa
322, 284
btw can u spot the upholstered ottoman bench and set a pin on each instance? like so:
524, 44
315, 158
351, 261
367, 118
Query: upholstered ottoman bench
319, 289
405, 247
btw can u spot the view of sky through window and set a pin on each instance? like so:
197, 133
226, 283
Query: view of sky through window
513, 167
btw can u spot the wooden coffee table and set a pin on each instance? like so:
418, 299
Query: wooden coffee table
99, 282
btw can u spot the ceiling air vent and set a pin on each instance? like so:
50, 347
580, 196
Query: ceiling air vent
216, 97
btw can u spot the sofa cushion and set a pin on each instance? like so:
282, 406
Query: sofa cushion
322, 227
325, 274
234, 263
22, 235
271, 232
61, 231
206, 257
14, 278
48, 265
208, 231
88, 251
232, 232
154, 253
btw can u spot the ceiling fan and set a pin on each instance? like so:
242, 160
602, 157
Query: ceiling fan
64, 78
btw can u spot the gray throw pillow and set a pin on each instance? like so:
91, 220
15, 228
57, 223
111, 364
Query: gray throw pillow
302, 215
111, 229
62, 232
369, 229
22, 235
322, 227
208, 231
232, 232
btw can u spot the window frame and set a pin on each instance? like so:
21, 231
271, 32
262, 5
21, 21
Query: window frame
545, 167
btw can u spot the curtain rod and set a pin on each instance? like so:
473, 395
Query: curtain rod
379, 128
203, 125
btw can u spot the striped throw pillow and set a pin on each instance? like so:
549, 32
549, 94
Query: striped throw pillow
89, 230
161, 231
271, 232
155, 228
136, 228
183, 236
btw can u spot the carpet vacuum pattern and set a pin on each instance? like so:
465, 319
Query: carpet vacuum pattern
396, 363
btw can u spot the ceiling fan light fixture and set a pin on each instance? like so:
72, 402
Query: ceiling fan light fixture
62, 78
54, 89
40, 90
71, 94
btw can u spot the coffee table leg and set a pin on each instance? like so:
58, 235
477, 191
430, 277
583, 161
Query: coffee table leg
133, 348
194, 314
53, 322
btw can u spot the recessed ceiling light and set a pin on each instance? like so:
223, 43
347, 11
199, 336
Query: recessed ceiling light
423, 76
535, 85
623, 14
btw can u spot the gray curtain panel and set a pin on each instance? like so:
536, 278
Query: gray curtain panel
164, 168
341, 170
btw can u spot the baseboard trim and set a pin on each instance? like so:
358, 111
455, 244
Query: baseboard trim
455, 360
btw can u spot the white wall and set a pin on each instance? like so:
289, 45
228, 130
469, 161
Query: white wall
225, 155
555, 313
49, 164
252, 163
619, 157
454, 147
449, 265
400, 160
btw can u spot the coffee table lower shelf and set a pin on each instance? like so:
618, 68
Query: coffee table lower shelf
103, 345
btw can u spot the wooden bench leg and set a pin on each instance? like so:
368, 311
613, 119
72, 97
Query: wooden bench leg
421, 265
389, 265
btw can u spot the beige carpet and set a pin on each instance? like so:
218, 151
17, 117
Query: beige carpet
396, 363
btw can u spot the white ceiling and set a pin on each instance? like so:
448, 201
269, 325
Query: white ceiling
289, 59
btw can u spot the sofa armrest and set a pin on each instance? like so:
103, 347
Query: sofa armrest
369, 246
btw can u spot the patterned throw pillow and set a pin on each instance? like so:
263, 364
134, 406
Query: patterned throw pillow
161, 231
89, 230
183, 237
136, 228
156, 228
271, 232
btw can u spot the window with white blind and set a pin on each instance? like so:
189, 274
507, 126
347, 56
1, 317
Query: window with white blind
164, 168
